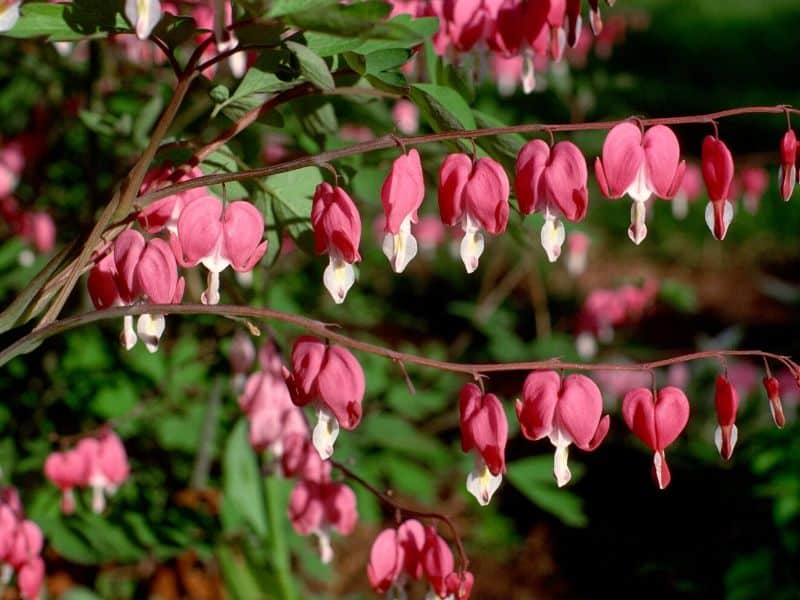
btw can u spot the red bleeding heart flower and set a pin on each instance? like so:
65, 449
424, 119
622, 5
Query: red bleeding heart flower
401, 195
657, 422
787, 175
717, 167
474, 196
726, 400
566, 411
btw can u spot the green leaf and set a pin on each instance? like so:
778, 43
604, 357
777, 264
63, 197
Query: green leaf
254, 89
222, 160
113, 401
69, 22
291, 194
393, 433
280, 8
679, 295
312, 67
442, 107
383, 60
241, 479
341, 19
241, 582
533, 477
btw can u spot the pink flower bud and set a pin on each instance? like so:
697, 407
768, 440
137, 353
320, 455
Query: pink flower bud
717, 165
568, 411
657, 423
243, 352
401, 195
726, 401
484, 429
385, 561
337, 232
164, 213
787, 175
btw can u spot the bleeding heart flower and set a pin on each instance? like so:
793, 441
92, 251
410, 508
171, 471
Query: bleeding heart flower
385, 561
401, 195
726, 400
508, 29
773, 388
476, 197
67, 470
331, 378
640, 166
144, 15
553, 183
405, 116
106, 466
567, 411
319, 508
717, 166
484, 429
787, 174
577, 252
754, 182
337, 231
657, 423
467, 22
156, 279
30, 578
218, 239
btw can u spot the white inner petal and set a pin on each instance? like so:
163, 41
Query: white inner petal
727, 217
325, 433
150, 329
401, 247
471, 244
639, 191
127, 336
638, 230
552, 236
481, 483
339, 277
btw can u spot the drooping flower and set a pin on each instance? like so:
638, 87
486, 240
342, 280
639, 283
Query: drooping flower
577, 252
657, 423
640, 166
787, 174
717, 166
396, 555
401, 195
439, 568
337, 231
330, 377
319, 508
67, 470
474, 196
106, 466
726, 400
219, 238
754, 182
405, 116
9, 14
553, 182
144, 15
484, 430
773, 388
567, 411
467, 21
156, 279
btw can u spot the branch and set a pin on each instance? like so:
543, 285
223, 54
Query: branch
408, 512
389, 141
475, 370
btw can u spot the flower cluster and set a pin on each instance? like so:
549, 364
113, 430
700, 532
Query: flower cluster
317, 504
21, 543
569, 410
201, 231
98, 462
410, 552
517, 33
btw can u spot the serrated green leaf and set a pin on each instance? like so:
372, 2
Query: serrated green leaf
312, 67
